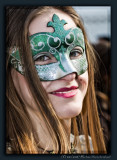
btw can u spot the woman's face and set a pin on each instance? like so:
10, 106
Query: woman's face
67, 93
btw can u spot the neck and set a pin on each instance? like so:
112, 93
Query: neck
67, 125
45, 139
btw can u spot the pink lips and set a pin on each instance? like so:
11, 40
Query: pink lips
66, 92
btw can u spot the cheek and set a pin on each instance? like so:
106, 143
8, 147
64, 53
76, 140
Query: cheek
46, 85
83, 82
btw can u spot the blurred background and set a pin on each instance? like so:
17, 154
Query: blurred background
97, 23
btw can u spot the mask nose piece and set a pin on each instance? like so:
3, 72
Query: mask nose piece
67, 65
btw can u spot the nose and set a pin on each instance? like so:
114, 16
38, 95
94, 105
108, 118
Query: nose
69, 77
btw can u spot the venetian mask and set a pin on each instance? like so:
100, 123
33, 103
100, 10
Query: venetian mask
66, 46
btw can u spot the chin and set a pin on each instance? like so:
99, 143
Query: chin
70, 111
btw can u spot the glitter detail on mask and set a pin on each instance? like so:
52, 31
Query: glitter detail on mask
81, 66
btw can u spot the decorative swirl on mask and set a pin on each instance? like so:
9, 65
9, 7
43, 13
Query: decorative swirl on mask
52, 50
54, 42
14, 62
69, 39
37, 47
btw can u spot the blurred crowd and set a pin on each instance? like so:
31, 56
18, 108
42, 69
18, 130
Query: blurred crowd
103, 86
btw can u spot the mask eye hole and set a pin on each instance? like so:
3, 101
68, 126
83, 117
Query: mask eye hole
76, 53
44, 58
54, 42
69, 39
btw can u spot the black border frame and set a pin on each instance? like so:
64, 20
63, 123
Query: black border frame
112, 3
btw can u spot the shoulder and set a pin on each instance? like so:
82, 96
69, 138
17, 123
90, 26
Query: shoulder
81, 142
8, 148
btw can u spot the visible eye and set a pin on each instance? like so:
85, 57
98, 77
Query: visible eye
76, 53
44, 58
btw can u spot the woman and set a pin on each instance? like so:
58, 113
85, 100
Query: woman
50, 83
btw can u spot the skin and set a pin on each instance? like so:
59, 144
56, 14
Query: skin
65, 108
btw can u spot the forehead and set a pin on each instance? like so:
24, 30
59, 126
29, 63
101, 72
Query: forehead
39, 24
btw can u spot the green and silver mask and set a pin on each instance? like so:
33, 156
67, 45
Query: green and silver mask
61, 44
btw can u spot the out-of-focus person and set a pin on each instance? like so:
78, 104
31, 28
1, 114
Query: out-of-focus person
103, 50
